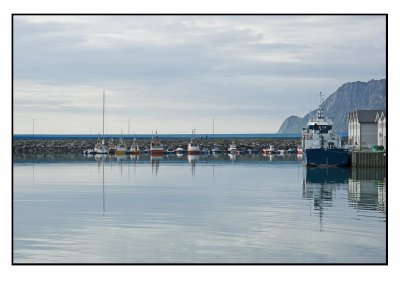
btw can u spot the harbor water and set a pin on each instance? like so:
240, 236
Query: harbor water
195, 209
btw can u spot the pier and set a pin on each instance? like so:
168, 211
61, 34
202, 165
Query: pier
368, 159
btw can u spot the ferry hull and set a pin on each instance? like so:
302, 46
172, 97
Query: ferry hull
334, 157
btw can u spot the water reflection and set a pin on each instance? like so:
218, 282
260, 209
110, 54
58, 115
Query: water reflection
320, 183
254, 209
367, 189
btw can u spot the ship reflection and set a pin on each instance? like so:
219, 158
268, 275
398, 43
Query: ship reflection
319, 184
365, 187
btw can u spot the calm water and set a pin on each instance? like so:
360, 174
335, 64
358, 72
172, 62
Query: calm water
249, 209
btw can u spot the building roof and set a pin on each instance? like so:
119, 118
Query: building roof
364, 116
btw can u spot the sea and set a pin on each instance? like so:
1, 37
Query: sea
207, 209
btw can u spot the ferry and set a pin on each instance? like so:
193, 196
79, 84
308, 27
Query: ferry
156, 147
193, 147
320, 145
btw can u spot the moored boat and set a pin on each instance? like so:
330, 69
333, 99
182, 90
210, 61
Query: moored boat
193, 148
170, 151
156, 147
216, 150
121, 148
135, 148
112, 147
232, 148
320, 145
270, 150
180, 151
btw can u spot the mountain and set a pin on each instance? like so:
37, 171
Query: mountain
350, 96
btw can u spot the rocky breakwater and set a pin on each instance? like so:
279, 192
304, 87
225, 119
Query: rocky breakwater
78, 146
52, 146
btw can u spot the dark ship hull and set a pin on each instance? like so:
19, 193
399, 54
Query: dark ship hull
330, 157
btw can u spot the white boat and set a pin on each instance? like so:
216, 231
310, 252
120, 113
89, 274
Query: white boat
134, 149
232, 148
193, 147
180, 151
281, 152
270, 150
100, 147
111, 147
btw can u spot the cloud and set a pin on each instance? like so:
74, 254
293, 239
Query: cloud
195, 64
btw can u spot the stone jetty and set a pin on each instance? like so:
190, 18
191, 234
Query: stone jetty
78, 146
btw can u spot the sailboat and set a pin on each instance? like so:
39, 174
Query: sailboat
100, 148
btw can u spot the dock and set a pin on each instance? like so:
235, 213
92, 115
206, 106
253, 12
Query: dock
368, 159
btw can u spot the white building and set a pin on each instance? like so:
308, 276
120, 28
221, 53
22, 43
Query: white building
380, 119
363, 128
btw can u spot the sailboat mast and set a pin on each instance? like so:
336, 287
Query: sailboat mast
103, 112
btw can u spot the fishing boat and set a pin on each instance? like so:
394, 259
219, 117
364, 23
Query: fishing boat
135, 148
232, 148
156, 147
193, 148
270, 150
320, 145
121, 148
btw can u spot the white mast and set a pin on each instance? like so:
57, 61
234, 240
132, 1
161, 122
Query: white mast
103, 115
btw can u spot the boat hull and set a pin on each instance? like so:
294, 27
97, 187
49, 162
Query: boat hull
334, 157
156, 152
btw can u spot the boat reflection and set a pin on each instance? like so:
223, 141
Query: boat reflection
365, 188
155, 163
192, 159
319, 184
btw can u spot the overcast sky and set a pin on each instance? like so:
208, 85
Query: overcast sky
176, 73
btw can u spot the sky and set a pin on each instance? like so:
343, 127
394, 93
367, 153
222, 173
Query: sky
177, 73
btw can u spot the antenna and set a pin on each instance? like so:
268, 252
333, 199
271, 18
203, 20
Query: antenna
33, 126
213, 126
